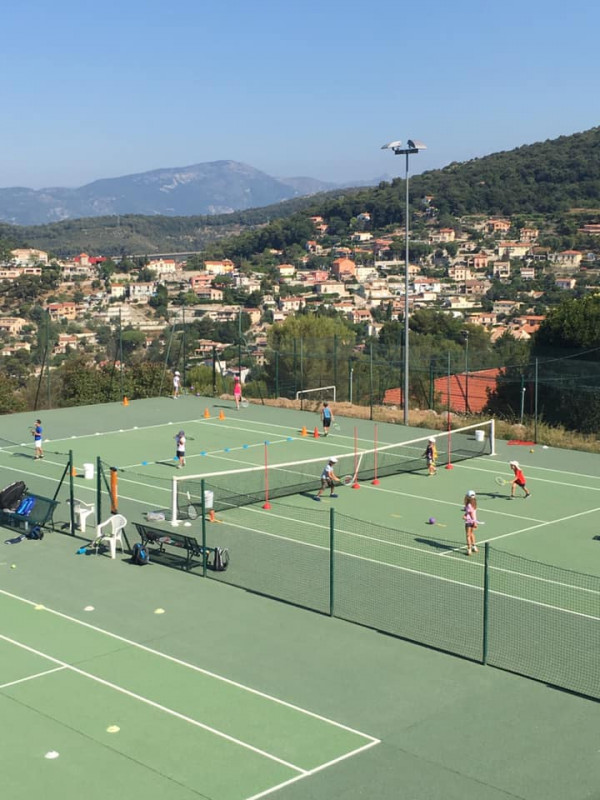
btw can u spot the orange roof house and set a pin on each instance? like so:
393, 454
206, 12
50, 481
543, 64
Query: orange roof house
474, 390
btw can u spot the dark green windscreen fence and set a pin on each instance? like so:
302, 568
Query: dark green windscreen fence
534, 619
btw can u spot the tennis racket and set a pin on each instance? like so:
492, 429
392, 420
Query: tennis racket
245, 403
348, 480
336, 426
192, 511
502, 481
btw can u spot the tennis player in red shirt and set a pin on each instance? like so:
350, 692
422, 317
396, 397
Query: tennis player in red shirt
519, 479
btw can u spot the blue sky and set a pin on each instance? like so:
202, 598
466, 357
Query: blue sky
309, 88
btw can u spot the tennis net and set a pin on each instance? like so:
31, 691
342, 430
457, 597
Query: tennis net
248, 485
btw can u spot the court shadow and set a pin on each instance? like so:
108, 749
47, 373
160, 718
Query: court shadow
433, 543
30, 456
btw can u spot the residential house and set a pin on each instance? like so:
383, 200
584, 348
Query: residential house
206, 292
565, 283
529, 234
286, 270
361, 236
568, 258
485, 318
422, 285
502, 270
12, 325
29, 255
498, 225
443, 235
224, 267
314, 247
331, 287
459, 273
476, 287
513, 249
505, 307
291, 303
528, 273
343, 269
478, 261
58, 311
141, 291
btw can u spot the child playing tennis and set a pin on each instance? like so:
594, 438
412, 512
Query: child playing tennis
430, 455
237, 391
470, 518
37, 432
519, 479
326, 418
328, 478
180, 449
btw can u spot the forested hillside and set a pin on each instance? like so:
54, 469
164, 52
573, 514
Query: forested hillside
549, 178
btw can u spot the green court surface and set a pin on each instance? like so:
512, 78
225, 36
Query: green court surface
153, 682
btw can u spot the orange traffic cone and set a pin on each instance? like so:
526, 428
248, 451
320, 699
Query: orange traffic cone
316, 432
304, 432
206, 413
221, 414
125, 401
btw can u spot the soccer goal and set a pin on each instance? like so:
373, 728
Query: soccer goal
319, 395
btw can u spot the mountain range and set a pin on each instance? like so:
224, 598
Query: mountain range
217, 187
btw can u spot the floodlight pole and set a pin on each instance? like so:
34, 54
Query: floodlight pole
398, 150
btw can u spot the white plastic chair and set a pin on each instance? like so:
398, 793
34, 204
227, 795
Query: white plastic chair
110, 532
83, 510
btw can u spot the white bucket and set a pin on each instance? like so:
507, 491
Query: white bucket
479, 436
88, 471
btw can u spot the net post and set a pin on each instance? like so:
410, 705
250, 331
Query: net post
266, 504
375, 480
449, 465
174, 520
71, 494
114, 496
331, 561
99, 489
493, 437
355, 484
204, 553
486, 592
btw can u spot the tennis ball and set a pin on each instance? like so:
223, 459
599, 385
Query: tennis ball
13, 566
532, 450
431, 520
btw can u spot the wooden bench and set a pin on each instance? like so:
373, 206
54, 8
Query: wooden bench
41, 514
179, 542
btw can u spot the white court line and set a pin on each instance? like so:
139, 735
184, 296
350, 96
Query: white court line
193, 667
310, 772
31, 677
153, 704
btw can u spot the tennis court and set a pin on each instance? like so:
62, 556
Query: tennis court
227, 694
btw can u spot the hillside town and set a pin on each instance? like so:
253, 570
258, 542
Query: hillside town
362, 277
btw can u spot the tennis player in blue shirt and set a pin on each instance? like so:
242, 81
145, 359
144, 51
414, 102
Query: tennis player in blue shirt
326, 418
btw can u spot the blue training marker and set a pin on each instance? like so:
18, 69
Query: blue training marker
267, 442
289, 438
245, 447
203, 453
226, 449
144, 463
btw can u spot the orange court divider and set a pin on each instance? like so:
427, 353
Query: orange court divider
206, 413
316, 432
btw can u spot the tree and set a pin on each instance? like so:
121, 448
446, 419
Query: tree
308, 351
